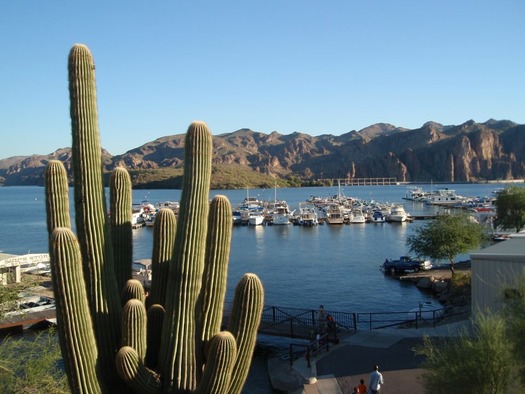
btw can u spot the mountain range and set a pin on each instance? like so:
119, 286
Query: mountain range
470, 152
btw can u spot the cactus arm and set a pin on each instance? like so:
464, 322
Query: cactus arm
132, 371
248, 304
215, 276
77, 340
221, 358
133, 289
155, 319
164, 230
134, 327
90, 209
57, 196
177, 353
121, 202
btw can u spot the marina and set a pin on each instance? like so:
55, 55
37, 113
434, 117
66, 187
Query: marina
300, 265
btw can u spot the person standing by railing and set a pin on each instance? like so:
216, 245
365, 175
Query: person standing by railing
321, 317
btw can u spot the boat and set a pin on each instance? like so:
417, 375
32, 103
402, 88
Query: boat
279, 212
173, 205
397, 214
444, 197
357, 216
307, 215
335, 214
141, 213
415, 193
255, 218
377, 217
281, 215
237, 217
150, 220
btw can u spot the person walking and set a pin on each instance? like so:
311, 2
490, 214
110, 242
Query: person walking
361, 389
376, 380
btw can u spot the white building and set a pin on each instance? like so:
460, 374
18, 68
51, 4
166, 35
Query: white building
495, 273
12, 266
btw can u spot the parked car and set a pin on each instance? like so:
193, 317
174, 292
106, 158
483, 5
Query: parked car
404, 264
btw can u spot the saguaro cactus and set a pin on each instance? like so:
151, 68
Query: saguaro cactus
175, 346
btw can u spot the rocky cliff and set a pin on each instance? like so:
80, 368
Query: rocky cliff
468, 152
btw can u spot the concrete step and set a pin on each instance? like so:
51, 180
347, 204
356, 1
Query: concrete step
326, 384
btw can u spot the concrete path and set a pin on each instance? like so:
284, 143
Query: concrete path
339, 370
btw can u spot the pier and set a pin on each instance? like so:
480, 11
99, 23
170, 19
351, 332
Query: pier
359, 181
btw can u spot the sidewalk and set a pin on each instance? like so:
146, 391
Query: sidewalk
338, 371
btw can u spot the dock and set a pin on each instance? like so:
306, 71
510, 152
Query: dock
17, 323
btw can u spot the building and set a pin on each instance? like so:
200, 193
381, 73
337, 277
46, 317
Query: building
12, 266
496, 271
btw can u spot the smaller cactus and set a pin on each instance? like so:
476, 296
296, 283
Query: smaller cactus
132, 290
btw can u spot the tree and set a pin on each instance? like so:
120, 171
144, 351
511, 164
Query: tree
480, 363
510, 208
446, 237
491, 359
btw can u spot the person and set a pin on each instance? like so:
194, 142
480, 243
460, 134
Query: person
321, 316
361, 389
376, 380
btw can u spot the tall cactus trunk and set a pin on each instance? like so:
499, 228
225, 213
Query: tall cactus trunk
121, 203
73, 315
177, 358
90, 207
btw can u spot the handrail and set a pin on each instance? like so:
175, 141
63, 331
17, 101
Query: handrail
274, 316
311, 349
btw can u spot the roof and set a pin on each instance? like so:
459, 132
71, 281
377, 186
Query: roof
513, 247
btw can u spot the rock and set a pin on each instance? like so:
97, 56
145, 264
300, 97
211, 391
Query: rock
425, 283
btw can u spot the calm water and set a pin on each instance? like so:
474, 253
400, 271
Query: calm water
337, 266
301, 267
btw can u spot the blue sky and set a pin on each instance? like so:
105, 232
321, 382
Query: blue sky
318, 67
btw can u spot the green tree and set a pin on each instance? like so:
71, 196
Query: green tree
510, 208
10, 294
480, 363
446, 237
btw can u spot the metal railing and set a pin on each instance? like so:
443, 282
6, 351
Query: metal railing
304, 323
309, 350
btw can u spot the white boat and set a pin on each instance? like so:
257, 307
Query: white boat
415, 193
141, 213
444, 197
335, 214
307, 215
256, 218
397, 214
281, 214
357, 216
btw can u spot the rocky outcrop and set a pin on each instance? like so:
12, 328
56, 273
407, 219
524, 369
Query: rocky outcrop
464, 153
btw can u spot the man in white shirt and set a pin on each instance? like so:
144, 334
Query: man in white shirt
376, 380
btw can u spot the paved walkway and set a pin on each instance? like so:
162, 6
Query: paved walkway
338, 371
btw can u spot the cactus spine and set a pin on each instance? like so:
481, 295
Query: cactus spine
161, 350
